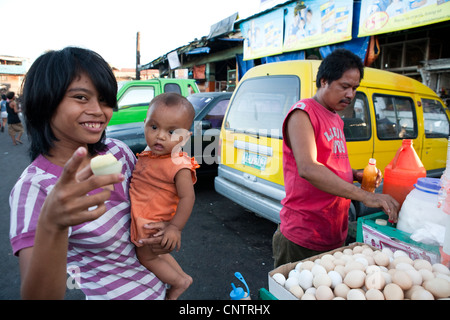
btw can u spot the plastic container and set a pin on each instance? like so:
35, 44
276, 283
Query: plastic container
402, 172
239, 293
369, 179
420, 206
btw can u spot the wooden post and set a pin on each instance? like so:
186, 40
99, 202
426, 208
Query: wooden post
138, 56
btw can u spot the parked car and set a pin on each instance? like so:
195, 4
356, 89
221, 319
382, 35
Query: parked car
133, 98
388, 107
209, 108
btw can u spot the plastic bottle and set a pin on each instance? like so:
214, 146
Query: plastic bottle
420, 206
444, 199
402, 172
239, 293
370, 176
445, 178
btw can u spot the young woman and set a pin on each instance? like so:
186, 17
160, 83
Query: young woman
61, 216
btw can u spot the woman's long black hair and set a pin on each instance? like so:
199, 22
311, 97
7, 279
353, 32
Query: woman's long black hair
45, 85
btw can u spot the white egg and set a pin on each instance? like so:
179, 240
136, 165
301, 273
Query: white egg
280, 278
311, 290
294, 273
348, 251
308, 296
364, 261
298, 266
297, 291
307, 265
404, 266
373, 268
367, 252
335, 277
415, 276
356, 294
400, 253
374, 294
381, 258
328, 257
355, 278
426, 274
341, 290
318, 269
324, 293
422, 294
322, 279
440, 268
292, 281
422, 264
305, 279
388, 252
357, 249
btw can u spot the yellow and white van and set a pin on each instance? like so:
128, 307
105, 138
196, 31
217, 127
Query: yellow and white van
388, 107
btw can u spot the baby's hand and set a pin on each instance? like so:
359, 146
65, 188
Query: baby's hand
171, 238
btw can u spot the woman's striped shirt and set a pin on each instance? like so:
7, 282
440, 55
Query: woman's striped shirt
100, 256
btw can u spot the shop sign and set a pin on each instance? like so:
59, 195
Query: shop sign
381, 16
319, 23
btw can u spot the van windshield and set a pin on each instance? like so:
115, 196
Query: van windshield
260, 105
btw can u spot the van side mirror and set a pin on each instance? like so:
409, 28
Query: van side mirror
206, 124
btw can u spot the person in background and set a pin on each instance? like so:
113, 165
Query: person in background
317, 173
4, 113
15, 127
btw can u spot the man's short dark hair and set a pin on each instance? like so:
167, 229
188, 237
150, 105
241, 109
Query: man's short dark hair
335, 64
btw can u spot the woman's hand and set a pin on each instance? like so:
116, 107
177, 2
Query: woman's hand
69, 204
43, 267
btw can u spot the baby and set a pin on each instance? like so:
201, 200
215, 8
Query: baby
162, 187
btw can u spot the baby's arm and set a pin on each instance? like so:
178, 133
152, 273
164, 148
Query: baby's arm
185, 190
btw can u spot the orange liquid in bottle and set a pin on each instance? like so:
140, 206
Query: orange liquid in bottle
369, 176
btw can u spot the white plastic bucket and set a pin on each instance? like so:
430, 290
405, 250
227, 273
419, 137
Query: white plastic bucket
420, 206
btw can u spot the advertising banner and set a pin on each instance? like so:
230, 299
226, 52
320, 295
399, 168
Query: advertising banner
381, 16
263, 35
317, 23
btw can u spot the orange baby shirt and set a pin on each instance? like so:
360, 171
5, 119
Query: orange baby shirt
153, 192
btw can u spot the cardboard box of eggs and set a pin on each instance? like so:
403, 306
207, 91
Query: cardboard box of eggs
360, 272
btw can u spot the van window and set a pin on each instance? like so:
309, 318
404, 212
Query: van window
260, 105
215, 115
356, 119
172, 87
395, 117
435, 119
136, 96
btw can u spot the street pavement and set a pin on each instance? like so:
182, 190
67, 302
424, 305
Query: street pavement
219, 239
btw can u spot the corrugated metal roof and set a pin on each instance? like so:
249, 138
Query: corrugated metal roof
12, 69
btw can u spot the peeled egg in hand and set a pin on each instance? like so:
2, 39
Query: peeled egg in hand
105, 164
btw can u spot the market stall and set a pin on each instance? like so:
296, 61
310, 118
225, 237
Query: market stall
406, 260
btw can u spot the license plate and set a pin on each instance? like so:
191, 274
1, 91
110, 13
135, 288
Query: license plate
254, 160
